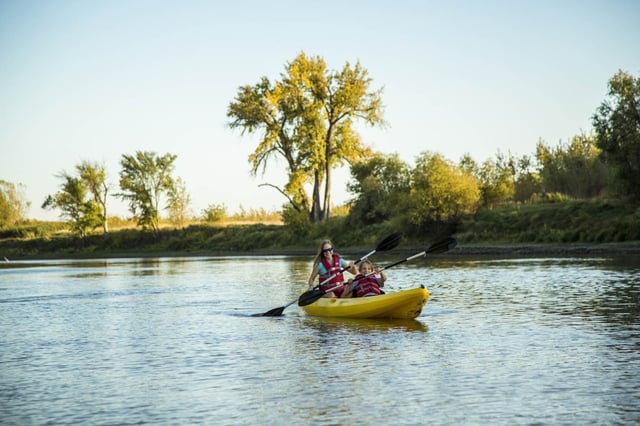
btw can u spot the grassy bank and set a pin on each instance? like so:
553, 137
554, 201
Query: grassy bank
557, 223
574, 227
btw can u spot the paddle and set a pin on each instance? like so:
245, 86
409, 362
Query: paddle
388, 243
447, 244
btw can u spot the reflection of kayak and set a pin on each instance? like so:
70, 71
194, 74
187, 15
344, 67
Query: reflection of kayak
365, 325
404, 304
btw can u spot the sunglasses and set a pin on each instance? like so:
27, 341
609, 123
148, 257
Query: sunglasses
327, 249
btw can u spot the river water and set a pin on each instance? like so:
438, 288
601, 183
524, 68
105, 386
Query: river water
173, 341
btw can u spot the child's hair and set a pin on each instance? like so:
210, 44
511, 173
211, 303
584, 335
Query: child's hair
366, 261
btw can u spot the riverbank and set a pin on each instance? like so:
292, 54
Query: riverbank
568, 249
462, 250
574, 228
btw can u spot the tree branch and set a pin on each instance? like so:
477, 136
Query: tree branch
293, 204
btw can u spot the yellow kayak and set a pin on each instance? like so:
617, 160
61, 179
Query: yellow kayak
405, 304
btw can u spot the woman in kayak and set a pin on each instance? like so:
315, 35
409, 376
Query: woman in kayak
366, 283
328, 266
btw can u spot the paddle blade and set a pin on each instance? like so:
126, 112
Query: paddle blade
275, 312
442, 246
308, 297
390, 242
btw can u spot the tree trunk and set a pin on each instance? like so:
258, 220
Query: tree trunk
316, 213
324, 214
105, 222
105, 218
326, 210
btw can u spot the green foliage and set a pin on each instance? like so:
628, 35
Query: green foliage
528, 182
214, 213
94, 176
574, 169
74, 201
296, 221
13, 204
32, 229
178, 203
617, 126
559, 222
496, 179
440, 191
307, 118
556, 222
144, 178
550, 197
504, 179
381, 186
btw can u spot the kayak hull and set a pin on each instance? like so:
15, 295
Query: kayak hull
405, 304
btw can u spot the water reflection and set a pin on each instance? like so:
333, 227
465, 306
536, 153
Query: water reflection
365, 325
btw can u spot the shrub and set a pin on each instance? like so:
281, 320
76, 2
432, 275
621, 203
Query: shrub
214, 213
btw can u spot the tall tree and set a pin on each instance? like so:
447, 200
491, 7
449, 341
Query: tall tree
13, 204
617, 127
82, 198
75, 203
94, 175
144, 178
308, 119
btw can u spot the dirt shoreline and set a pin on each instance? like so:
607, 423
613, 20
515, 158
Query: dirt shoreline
530, 250
461, 251
527, 250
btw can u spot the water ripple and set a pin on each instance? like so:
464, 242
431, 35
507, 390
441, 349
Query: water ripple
505, 341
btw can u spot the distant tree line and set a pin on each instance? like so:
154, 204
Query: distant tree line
307, 118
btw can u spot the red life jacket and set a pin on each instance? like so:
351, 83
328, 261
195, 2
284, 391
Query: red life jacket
366, 285
331, 269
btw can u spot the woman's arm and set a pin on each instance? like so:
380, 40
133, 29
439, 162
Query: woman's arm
352, 268
312, 277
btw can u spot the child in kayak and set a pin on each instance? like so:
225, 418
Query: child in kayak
366, 283
328, 266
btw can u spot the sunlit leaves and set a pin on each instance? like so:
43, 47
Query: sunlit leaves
307, 118
144, 178
94, 175
574, 169
76, 203
440, 191
178, 203
13, 204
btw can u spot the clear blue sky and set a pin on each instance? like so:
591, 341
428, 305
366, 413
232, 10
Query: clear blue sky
92, 80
